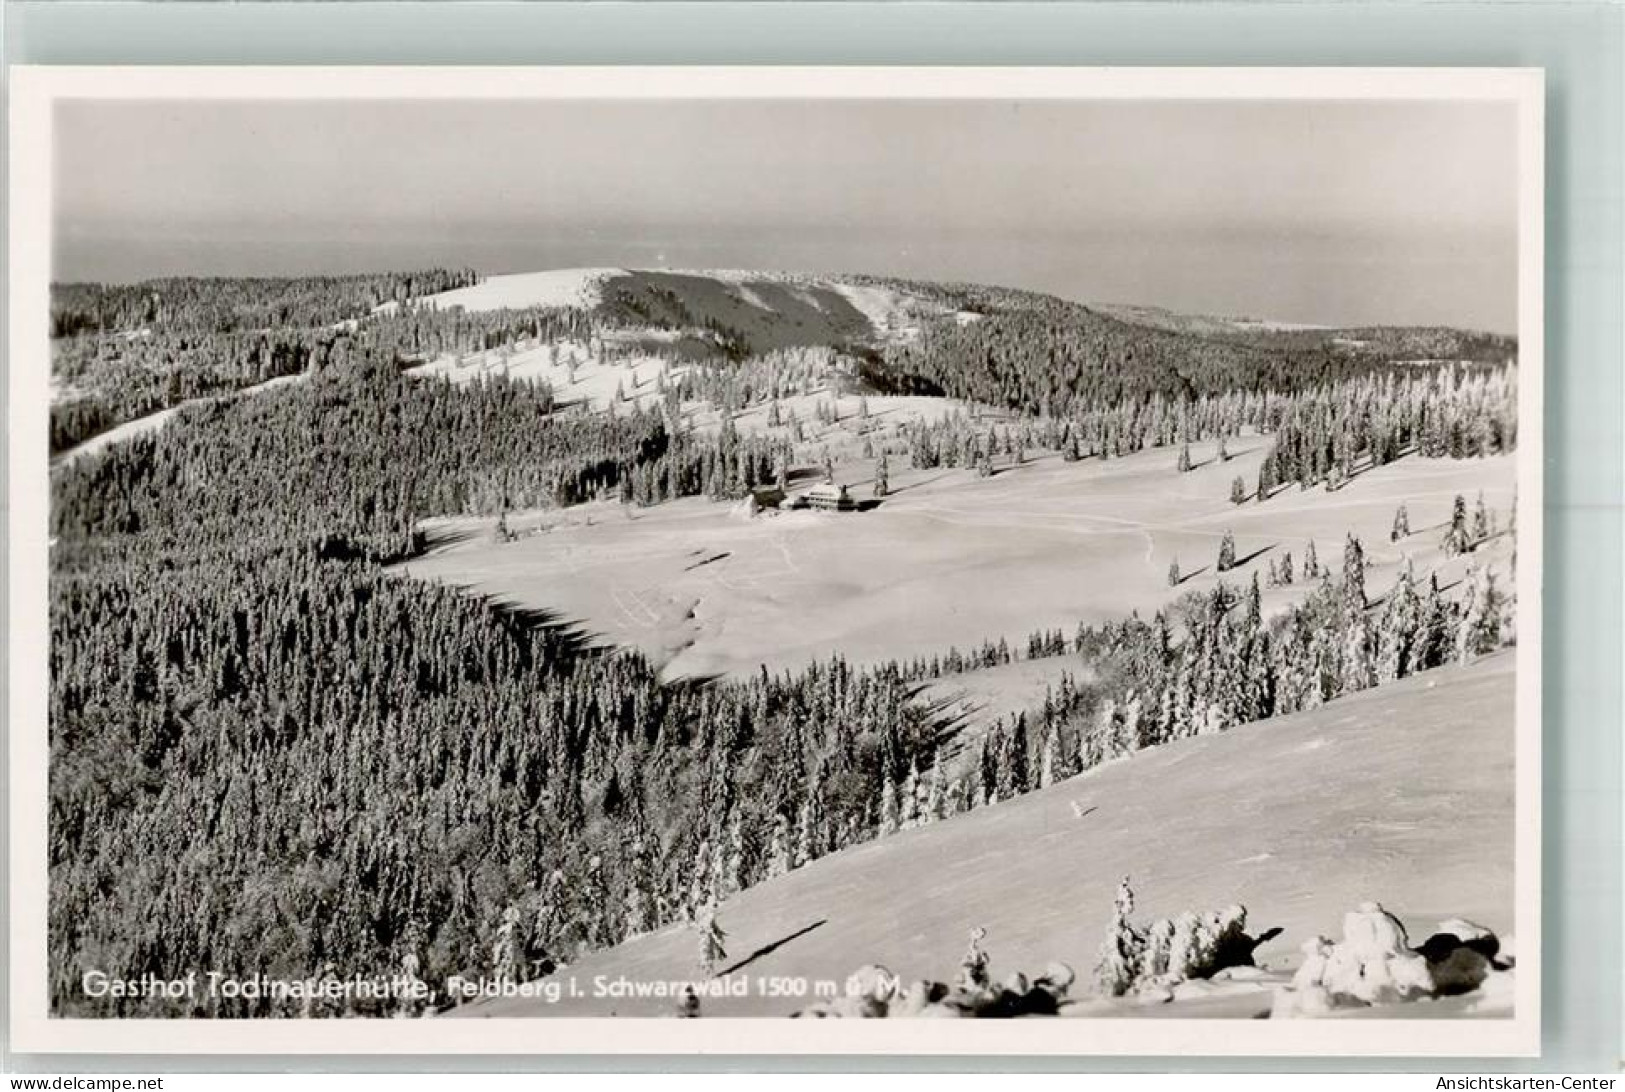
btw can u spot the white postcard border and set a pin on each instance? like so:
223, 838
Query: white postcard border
34, 90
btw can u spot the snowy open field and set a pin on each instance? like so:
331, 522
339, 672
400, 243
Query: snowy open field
546, 288
152, 422
578, 375
949, 559
1402, 795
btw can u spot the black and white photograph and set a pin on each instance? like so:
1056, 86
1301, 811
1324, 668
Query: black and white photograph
718, 555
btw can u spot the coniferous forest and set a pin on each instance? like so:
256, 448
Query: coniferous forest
272, 755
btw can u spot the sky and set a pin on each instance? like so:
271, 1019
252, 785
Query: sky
1338, 213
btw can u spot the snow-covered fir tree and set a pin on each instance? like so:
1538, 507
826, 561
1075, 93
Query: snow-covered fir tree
1456, 537
1158, 944
713, 941
701, 882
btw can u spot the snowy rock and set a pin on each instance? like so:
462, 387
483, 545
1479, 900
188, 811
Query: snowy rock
945, 1011
1462, 971
1412, 976
1297, 1002
1498, 995
1373, 965
1240, 974
1193, 990
1015, 983
1372, 933
1159, 941
917, 997
1057, 978
1312, 971
1463, 929
848, 1008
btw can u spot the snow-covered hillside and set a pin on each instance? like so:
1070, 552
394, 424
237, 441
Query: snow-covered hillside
1401, 794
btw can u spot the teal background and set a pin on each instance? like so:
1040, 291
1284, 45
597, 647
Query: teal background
1579, 44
